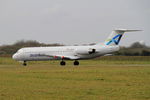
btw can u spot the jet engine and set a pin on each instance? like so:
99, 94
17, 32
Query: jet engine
85, 51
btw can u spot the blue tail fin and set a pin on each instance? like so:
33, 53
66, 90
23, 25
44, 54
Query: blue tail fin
115, 37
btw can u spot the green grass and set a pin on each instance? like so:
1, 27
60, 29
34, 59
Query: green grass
108, 78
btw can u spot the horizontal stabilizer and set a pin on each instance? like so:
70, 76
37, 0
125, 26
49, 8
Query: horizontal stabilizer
126, 30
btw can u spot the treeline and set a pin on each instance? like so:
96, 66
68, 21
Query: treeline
136, 49
8, 50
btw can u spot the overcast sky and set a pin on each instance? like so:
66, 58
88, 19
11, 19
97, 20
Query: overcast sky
73, 21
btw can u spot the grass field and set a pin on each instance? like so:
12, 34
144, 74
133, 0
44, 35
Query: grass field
107, 78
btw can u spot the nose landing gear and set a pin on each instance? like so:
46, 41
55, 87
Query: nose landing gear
24, 63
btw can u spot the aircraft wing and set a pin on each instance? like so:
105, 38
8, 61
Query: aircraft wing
108, 55
63, 57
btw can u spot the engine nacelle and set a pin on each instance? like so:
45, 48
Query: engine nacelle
85, 51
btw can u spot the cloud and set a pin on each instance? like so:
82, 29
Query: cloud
69, 21
51, 10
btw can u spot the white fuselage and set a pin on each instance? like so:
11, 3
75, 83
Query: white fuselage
110, 45
63, 52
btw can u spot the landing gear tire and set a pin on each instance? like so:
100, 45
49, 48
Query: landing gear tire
76, 63
24, 63
62, 63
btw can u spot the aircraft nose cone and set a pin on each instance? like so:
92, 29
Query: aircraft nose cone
14, 56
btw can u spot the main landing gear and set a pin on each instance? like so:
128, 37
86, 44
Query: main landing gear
63, 63
76, 62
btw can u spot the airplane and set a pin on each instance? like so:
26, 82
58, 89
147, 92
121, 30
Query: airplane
75, 53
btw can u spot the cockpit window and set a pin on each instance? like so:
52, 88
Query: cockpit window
19, 51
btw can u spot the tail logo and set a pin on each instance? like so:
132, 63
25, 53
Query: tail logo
115, 39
